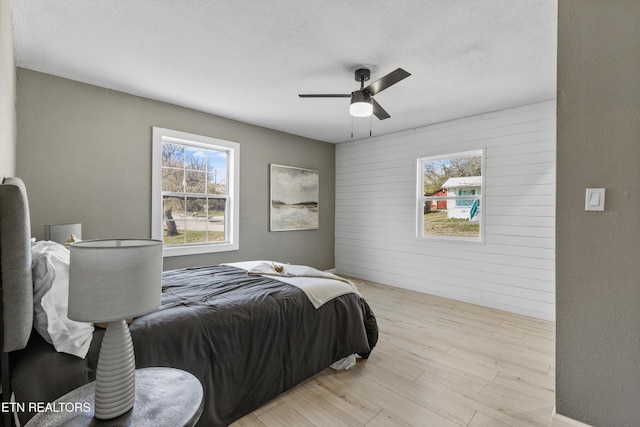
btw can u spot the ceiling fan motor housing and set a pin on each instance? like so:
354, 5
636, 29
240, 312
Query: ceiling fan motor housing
360, 96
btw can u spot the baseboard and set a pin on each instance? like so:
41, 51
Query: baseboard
558, 420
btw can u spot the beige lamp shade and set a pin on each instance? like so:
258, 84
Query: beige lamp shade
114, 279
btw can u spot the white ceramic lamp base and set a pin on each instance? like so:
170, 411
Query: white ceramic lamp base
115, 377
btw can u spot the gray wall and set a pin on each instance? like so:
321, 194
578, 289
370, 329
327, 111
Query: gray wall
598, 253
84, 153
7, 93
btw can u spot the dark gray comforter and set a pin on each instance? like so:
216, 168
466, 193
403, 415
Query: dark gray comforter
247, 339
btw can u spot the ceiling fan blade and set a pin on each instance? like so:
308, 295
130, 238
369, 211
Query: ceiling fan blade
384, 82
378, 111
328, 95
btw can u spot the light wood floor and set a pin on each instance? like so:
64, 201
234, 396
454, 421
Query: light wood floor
438, 362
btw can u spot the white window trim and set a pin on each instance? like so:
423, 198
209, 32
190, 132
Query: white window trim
421, 198
159, 136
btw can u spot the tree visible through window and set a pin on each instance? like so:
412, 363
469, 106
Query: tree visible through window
194, 194
450, 195
195, 181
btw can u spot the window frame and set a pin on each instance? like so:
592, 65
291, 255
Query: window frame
232, 216
421, 199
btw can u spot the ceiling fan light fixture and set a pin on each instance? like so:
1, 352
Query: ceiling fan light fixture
361, 105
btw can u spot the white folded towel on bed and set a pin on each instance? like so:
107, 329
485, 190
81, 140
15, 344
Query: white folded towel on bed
319, 286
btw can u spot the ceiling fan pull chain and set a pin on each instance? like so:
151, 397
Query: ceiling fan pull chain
351, 127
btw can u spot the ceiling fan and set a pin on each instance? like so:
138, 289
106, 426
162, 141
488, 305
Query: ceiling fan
362, 102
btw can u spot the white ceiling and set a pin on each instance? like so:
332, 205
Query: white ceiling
249, 59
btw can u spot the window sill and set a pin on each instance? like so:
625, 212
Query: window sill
171, 251
473, 240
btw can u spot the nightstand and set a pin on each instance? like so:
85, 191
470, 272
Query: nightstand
164, 397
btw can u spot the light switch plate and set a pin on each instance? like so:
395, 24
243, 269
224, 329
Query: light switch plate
594, 200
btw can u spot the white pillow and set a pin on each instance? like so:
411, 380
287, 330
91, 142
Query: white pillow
50, 270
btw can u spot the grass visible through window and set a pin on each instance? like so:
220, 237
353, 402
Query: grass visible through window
437, 224
194, 236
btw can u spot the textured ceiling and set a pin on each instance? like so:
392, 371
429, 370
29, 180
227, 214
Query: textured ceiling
249, 59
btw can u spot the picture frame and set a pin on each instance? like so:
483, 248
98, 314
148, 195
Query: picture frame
294, 201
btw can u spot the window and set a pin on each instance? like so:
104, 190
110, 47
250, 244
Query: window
195, 193
449, 196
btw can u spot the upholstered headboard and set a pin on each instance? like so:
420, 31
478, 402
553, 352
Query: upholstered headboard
15, 265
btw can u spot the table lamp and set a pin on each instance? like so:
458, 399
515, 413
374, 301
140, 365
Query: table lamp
110, 281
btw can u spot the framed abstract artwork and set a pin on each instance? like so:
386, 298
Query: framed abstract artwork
295, 197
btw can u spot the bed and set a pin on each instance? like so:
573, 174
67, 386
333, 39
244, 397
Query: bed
246, 337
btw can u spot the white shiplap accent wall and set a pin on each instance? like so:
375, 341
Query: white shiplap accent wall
513, 269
